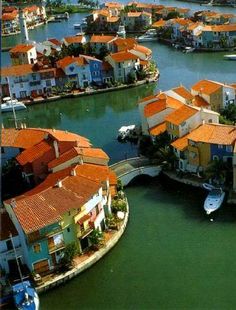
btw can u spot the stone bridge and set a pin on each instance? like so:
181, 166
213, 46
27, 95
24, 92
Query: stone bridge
127, 170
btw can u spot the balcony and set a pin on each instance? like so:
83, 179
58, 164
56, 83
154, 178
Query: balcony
84, 232
56, 247
34, 83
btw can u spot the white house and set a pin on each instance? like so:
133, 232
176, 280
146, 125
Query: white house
101, 41
23, 54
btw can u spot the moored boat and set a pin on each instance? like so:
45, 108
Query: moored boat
230, 57
25, 296
8, 106
124, 132
214, 200
150, 35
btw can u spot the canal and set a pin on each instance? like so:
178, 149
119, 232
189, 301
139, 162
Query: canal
171, 256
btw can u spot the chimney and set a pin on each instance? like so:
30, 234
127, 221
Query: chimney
73, 172
59, 184
56, 148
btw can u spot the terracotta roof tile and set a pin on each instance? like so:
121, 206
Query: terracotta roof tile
159, 23
183, 92
154, 107
181, 143
158, 129
142, 49
206, 87
200, 102
123, 56
21, 48
31, 154
180, 115
101, 39
214, 133
18, 70
74, 39
68, 60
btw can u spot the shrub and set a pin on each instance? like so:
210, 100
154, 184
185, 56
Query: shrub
71, 250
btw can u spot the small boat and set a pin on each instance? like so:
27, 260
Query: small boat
188, 49
25, 296
214, 200
121, 31
208, 186
124, 132
77, 26
7, 106
150, 35
230, 57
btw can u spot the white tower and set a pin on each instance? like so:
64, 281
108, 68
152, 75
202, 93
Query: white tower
23, 27
43, 9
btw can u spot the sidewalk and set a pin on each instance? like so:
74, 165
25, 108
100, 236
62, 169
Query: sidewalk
84, 261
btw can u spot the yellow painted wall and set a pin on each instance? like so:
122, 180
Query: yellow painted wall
216, 100
172, 131
203, 155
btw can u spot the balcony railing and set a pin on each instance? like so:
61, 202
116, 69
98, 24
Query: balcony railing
83, 233
34, 83
56, 247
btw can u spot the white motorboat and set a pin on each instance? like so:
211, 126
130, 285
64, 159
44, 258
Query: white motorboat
8, 105
121, 31
214, 200
188, 49
150, 35
124, 132
77, 26
230, 57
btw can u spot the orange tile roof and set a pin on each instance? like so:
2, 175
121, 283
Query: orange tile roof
133, 14
124, 44
155, 107
31, 154
172, 102
123, 56
68, 60
206, 87
214, 133
183, 92
159, 23
158, 129
200, 102
233, 85
182, 21
93, 152
181, 143
103, 12
72, 153
21, 48
74, 39
224, 28
142, 49
55, 41
18, 70
32, 8
9, 16
180, 115
151, 97
113, 19
101, 39
116, 5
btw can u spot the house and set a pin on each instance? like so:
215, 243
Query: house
54, 44
77, 70
75, 41
23, 54
7, 255
121, 44
153, 111
206, 143
10, 21
100, 43
186, 118
141, 52
72, 199
136, 20
95, 66
27, 80
219, 36
216, 94
123, 63
107, 72
181, 93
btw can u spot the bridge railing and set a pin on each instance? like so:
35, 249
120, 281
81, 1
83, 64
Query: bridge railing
136, 162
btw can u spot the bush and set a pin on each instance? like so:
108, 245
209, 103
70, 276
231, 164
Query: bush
96, 238
71, 250
119, 205
131, 77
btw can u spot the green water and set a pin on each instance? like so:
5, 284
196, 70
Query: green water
171, 257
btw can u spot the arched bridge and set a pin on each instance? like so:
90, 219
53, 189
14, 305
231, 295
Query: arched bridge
126, 170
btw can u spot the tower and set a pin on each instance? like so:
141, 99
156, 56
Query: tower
43, 9
23, 27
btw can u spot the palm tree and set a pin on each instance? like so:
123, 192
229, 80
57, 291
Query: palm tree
217, 171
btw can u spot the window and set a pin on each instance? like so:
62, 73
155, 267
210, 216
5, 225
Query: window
68, 229
37, 248
229, 148
21, 85
215, 157
34, 76
95, 66
220, 146
2, 150
68, 212
9, 245
48, 83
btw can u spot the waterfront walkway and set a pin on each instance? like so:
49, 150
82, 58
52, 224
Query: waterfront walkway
84, 261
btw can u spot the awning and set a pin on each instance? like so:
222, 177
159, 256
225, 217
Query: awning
83, 219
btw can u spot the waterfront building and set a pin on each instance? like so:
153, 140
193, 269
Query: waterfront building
96, 71
72, 199
216, 94
7, 255
23, 54
75, 41
134, 21
28, 80
202, 145
77, 70
215, 18
54, 44
121, 44
10, 20
123, 63
99, 43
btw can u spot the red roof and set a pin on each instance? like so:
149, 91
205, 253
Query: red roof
74, 39
123, 56
66, 61
21, 48
101, 39
180, 115
154, 107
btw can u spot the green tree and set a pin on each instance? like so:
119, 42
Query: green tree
172, 15
96, 238
217, 171
103, 52
71, 250
131, 77
230, 112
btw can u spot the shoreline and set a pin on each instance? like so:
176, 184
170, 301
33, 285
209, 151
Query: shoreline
88, 262
92, 92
